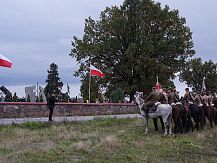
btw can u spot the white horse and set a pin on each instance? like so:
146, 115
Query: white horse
163, 110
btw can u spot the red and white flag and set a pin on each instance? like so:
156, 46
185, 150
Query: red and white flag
158, 86
95, 72
5, 62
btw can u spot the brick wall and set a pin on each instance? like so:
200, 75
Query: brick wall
27, 109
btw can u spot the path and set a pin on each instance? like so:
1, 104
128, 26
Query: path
7, 121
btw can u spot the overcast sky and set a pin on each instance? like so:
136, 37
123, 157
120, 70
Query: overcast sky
35, 33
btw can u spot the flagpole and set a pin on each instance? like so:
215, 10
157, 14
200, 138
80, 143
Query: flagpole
89, 83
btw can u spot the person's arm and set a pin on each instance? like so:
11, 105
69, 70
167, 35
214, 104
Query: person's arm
149, 96
185, 96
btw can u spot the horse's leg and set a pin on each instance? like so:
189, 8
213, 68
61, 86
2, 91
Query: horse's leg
170, 123
212, 115
165, 120
205, 115
209, 116
215, 115
202, 117
162, 123
175, 120
184, 121
146, 124
155, 124
191, 124
196, 122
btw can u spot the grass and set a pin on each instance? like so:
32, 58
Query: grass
103, 140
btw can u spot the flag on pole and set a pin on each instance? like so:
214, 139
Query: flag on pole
95, 72
5, 62
203, 89
158, 86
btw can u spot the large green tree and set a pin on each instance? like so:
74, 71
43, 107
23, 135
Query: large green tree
194, 72
54, 85
134, 43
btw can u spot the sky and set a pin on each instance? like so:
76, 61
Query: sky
36, 33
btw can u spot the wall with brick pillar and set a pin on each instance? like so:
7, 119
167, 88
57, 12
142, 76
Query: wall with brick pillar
27, 109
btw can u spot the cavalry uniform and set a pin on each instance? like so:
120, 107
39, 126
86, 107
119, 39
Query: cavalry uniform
198, 99
171, 98
188, 97
210, 99
162, 98
151, 99
205, 100
177, 98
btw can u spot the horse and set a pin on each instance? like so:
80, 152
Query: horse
210, 114
189, 123
163, 110
215, 110
179, 118
197, 113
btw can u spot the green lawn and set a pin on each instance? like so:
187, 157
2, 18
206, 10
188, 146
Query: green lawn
108, 140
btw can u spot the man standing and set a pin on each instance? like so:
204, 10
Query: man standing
51, 99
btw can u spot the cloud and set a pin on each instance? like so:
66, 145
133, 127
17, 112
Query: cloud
36, 33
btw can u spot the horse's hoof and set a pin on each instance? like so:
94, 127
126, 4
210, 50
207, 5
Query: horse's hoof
172, 135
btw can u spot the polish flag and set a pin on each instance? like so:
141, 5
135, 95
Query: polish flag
158, 86
95, 72
5, 62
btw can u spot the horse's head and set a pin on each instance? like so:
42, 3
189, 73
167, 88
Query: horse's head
138, 98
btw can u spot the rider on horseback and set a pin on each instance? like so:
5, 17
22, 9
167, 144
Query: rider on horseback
210, 98
188, 98
151, 100
171, 97
163, 98
198, 98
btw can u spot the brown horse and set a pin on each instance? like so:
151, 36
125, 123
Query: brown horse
182, 118
210, 114
215, 111
197, 113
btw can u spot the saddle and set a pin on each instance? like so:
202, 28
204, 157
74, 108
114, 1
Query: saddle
153, 108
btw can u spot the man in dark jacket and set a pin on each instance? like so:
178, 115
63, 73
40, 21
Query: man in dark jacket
51, 99
152, 98
171, 97
163, 97
187, 96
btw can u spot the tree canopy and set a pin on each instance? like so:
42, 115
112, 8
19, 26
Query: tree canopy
194, 72
132, 44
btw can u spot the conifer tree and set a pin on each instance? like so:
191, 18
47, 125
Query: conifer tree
28, 99
15, 98
54, 85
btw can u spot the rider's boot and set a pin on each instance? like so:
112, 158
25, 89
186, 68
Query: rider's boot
146, 112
